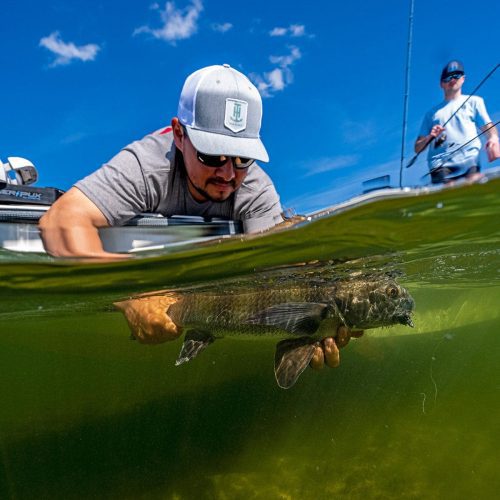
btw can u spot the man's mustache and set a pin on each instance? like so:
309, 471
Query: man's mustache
218, 180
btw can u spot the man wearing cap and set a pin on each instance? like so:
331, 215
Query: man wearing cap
452, 124
202, 164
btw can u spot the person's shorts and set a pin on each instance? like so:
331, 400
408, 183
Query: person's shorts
444, 174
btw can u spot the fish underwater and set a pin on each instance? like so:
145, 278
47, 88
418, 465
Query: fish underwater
304, 313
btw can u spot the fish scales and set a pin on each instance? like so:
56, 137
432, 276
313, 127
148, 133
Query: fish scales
227, 313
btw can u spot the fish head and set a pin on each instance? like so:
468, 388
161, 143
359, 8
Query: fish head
371, 304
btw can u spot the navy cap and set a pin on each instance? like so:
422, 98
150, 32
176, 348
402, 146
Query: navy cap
452, 68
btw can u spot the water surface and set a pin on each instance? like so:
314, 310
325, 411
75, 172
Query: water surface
410, 413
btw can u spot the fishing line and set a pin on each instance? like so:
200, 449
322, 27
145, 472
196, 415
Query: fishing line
451, 153
414, 159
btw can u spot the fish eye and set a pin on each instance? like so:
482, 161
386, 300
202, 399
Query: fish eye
392, 291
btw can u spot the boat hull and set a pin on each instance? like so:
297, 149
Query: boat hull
148, 232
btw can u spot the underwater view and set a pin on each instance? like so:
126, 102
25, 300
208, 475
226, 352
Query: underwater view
91, 408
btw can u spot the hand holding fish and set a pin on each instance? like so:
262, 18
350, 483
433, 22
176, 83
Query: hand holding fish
147, 318
327, 352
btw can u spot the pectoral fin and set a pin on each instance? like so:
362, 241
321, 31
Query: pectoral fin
291, 359
294, 317
195, 341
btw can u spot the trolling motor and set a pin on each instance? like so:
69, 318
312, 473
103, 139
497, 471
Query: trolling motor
18, 173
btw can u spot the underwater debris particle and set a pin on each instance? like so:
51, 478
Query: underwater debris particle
424, 397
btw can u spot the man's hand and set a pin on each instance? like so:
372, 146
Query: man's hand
424, 140
493, 149
148, 320
436, 131
328, 351
70, 228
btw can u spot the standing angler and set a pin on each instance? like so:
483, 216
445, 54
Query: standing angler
463, 115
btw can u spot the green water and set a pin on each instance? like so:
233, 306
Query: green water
410, 413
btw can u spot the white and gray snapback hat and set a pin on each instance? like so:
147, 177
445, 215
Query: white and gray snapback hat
222, 112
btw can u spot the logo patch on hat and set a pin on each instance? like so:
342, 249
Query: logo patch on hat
236, 115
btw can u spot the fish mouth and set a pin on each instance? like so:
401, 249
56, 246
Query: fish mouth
405, 319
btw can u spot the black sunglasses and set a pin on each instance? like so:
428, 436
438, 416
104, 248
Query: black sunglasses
217, 161
449, 78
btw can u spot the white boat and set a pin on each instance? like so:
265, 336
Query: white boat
21, 207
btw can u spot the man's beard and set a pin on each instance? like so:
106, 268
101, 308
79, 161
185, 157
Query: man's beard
206, 195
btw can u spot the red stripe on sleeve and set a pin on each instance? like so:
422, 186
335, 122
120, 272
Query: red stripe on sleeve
166, 131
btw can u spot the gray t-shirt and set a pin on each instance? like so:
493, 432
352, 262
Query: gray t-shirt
146, 176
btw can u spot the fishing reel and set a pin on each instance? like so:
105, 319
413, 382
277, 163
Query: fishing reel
439, 140
18, 171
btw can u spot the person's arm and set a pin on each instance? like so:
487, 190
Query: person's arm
492, 145
424, 140
70, 228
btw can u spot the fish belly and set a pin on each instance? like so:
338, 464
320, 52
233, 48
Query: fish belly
328, 328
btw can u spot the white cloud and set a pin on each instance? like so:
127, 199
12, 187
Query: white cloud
360, 132
67, 52
288, 60
297, 29
178, 24
330, 164
74, 138
276, 79
294, 30
278, 32
222, 28
281, 76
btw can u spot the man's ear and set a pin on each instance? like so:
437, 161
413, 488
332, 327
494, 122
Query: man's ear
179, 136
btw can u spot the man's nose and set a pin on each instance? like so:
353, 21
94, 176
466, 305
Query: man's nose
226, 171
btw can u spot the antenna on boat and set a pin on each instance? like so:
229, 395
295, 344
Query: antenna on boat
407, 90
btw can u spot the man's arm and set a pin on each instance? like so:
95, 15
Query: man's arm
492, 145
70, 228
424, 140
491, 131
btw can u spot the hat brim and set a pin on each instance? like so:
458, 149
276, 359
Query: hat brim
226, 145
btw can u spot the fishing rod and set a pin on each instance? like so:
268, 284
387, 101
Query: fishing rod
451, 153
407, 91
414, 159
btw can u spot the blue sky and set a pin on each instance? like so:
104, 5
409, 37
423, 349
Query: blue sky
80, 80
